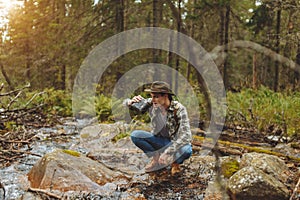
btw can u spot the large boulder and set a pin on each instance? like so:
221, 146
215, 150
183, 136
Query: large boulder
269, 164
252, 184
110, 144
66, 170
261, 177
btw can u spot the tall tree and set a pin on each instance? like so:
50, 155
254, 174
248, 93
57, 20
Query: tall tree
277, 47
226, 41
179, 27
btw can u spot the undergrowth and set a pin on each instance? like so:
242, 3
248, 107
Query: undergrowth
262, 109
265, 110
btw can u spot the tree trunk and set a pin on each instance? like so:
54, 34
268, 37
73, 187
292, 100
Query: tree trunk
226, 40
62, 14
6, 77
155, 23
296, 73
155, 13
276, 79
63, 77
169, 61
119, 20
27, 49
178, 47
175, 14
254, 71
221, 30
189, 67
221, 34
120, 15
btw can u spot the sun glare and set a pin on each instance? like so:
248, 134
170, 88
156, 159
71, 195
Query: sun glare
6, 4
5, 7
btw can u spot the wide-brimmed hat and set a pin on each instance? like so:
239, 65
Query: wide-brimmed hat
160, 87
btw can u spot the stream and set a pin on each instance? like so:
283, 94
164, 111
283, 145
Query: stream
67, 136
14, 177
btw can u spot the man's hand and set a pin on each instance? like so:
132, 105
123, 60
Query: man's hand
166, 159
135, 99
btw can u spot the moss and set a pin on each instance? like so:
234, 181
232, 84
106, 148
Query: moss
295, 145
71, 152
229, 167
120, 136
252, 149
84, 135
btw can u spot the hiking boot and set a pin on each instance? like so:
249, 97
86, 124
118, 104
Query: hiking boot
153, 164
175, 169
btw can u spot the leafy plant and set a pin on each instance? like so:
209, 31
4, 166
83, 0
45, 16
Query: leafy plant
264, 108
56, 102
100, 104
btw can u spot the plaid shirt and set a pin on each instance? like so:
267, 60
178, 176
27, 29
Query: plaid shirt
178, 126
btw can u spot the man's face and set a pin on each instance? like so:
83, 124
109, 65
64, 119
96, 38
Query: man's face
159, 100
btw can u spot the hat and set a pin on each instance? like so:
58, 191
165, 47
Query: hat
159, 87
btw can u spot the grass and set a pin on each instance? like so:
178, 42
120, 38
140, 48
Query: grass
265, 110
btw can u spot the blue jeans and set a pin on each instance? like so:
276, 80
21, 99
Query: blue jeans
151, 144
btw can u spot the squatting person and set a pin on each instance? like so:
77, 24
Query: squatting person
169, 142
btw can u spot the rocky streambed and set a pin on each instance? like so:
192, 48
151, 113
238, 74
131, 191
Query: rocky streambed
79, 160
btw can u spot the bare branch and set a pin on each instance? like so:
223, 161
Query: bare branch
14, 91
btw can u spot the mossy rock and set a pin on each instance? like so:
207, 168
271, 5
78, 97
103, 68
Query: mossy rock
229, 167
71, 152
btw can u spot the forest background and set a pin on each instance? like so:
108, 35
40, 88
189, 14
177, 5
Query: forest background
44, 43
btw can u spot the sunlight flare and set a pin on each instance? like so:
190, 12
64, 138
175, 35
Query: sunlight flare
6, 4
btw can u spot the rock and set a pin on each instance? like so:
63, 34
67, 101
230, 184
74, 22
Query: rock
214, 191
291, 149
98, 136
269, 164
229, 166
30, 196
276, 138
252, 183
68, 170
120, 154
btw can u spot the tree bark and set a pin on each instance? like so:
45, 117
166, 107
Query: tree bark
120, 15
254, 71
27, 49
175, 14
169, 61
6, 77
155, 23
296, 73
276, 78
62, 13
221, 34
226, 40
189, 67
120, 22
178, 47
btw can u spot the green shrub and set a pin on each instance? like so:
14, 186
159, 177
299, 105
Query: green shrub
263, 109
56, 102
100, 104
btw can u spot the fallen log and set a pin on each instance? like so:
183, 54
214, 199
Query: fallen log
232, 148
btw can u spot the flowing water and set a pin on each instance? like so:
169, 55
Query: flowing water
14, 177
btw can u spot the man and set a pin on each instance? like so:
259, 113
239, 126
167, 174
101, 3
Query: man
170, 140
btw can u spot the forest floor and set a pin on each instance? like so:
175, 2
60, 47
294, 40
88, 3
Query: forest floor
189, 185
186, 185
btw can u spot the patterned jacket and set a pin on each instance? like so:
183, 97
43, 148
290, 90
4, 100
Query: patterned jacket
177, 124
